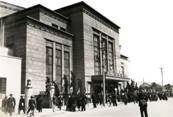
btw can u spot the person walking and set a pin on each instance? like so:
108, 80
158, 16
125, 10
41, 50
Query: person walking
143, 105
83, 102
4, 105
21, 104
94, 100
114, 99
39, 102
59, 102
32, 105
11, 103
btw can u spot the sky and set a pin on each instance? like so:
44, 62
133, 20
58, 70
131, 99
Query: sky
145, 35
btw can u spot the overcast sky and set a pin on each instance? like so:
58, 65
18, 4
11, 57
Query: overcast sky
145, 35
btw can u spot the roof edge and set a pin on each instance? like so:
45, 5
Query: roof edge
34, 20
17, 6
40, 6
83, 4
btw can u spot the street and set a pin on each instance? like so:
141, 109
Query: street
155, 109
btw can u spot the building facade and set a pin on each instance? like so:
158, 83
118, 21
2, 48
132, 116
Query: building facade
75, 38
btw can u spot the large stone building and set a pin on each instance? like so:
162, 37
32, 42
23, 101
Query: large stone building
74, 38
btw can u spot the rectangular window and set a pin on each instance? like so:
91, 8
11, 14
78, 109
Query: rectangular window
104, 54
49, 63
110, 56
58, 62
63, 29
55, 26
122, 69
67, 64
3, 85
97, 64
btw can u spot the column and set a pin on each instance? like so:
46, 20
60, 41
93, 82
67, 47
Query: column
114, 57
54, 61
62, 67
2, 32
101, 64
107, 52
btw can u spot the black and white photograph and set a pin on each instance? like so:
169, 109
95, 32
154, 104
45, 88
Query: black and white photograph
86, 58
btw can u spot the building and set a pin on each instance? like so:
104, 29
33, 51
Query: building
10, 73
74, 38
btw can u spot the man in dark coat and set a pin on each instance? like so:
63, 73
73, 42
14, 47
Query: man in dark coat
39, 101
143, 105
4, 105
32, 105
21, 104
114, 99
94, 100
71, 105
83, 102
11, 103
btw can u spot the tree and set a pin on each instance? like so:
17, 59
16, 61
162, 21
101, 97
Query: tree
65, 85
47, 85
56, 89
156, 87
168, 87
79, 85
73, 82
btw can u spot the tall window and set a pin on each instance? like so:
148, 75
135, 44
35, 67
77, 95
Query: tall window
104, 54
58, 62
110, 58
97, 65
49, 62
67, 64
122, 69
2, 85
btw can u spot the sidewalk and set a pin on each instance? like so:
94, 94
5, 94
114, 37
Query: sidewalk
49, 112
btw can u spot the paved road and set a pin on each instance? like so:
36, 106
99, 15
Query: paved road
155, 109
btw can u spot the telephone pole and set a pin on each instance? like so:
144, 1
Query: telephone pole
161, 70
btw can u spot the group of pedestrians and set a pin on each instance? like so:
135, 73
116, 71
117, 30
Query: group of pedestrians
31, 105
76, 101
97, 99
8, 104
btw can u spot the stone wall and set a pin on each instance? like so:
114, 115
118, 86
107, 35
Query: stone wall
76, 28
36, 55
50, 20
89, 24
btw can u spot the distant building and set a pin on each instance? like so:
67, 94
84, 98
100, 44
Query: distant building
74, 38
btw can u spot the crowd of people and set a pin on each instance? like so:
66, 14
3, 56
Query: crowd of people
78, 102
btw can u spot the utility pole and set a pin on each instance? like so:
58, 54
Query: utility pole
161, 70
